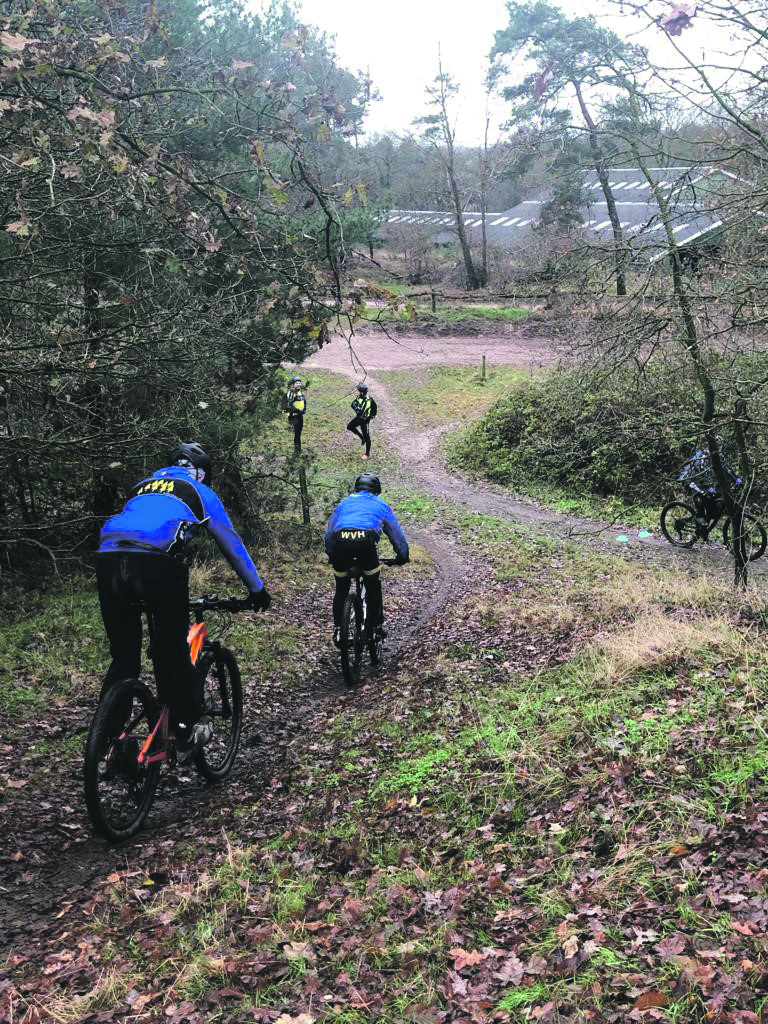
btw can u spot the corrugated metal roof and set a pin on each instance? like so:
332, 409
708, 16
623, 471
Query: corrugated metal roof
693, 195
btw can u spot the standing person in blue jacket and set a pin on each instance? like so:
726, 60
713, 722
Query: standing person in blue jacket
142, 557
352, 535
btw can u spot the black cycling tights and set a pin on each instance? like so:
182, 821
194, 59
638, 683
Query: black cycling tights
372, 596
360, 429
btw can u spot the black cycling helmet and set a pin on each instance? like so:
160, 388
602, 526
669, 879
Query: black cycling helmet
193, 454
295, 380
362, 388
368, 482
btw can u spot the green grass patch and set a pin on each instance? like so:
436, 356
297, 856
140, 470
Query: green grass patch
409, 312
52, 648
440, 395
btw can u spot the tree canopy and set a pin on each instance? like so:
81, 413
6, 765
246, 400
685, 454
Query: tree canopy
167, 237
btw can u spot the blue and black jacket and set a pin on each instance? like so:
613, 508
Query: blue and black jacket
166, 512
699, 474
366, 511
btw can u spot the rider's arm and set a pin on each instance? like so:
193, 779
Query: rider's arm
394, 532
229, 542
327, 546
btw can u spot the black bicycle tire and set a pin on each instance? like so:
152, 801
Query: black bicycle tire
671, 537
212, 769
760, 550
98, 745
351, 649
375, 650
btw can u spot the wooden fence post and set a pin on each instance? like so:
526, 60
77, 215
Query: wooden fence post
304, 495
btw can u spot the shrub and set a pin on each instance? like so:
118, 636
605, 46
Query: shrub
621, 435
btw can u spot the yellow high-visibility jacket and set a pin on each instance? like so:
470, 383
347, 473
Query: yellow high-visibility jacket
295, 401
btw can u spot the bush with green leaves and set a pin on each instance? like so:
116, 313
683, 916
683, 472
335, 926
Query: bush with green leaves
623, 435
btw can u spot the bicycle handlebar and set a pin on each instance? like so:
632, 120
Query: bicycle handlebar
211, 602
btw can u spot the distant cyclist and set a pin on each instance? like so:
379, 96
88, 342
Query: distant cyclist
142, 558
296, 407
698, 475
364, 408
352, 535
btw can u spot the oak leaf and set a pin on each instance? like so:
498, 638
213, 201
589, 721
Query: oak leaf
464, 958
11, 41
745, 927
649, 999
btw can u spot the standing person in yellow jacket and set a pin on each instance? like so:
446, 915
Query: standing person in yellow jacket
364, 408
296, 406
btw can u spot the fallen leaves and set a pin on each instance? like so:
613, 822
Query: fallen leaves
463, 958
649, 999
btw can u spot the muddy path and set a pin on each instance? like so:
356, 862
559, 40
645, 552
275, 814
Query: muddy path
50, 860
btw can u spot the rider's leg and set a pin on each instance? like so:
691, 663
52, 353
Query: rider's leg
122, 624
374, 598
365, 429
354, 428
343, 583
166, 583
298, 425
121, 616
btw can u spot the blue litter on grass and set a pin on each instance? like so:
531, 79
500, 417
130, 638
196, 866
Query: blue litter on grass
622, 539
644, 534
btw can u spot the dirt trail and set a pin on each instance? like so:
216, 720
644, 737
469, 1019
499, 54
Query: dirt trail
421, 463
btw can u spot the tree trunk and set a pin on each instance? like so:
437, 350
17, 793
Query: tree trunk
473, 281
484, 203
733, 504
602, 176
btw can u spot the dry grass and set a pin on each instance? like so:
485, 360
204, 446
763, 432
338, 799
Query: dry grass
655, 638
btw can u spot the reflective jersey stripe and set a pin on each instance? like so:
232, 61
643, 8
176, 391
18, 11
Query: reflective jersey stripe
181, 489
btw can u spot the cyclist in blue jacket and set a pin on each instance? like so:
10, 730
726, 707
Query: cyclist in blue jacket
142, 558
352, 535
698, 475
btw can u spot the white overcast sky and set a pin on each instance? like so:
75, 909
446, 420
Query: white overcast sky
398, 42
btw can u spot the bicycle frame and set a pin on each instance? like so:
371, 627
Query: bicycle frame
713, 517
198, 641
357, 574
162, 728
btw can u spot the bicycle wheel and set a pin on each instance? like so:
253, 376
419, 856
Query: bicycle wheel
223, 699
352, 643
118, 790
678, 524
756, 537
375, 649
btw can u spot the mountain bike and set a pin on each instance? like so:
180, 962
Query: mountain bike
683, 523
130, 734
357, 633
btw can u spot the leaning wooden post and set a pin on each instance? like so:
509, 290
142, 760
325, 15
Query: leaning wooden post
304, 494
482, 374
